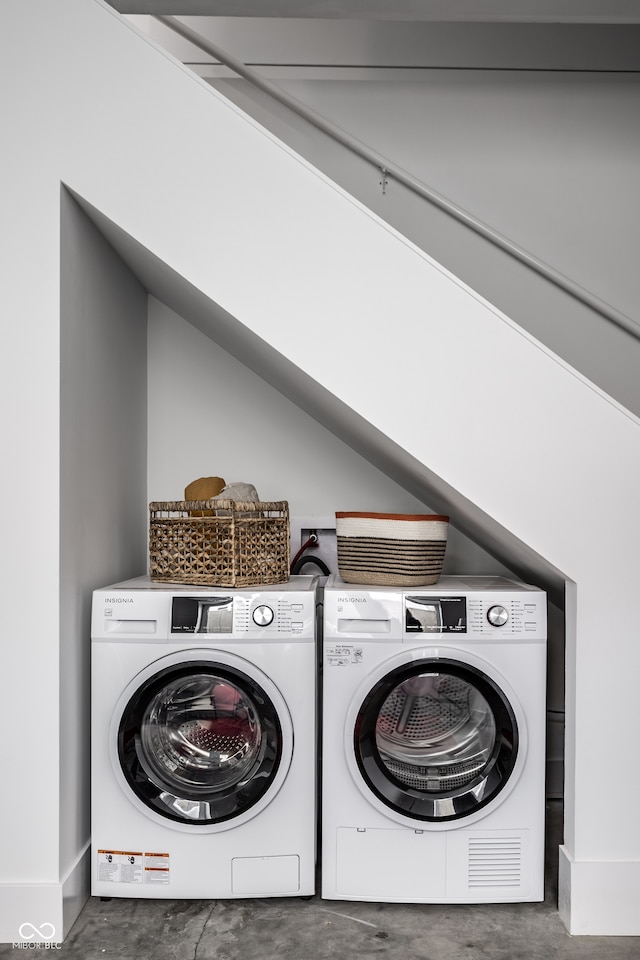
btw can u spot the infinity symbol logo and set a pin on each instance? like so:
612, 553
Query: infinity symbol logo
37, 931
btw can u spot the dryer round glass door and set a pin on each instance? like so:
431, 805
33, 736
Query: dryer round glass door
436, 740
200, 743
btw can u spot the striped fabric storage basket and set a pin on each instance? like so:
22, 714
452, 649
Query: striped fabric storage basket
391, 549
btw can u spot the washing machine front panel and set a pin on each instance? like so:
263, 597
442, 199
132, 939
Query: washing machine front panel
436, 740
201, 691
201, 740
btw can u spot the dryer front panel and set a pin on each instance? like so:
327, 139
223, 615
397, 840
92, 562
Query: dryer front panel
435, 740
202, 743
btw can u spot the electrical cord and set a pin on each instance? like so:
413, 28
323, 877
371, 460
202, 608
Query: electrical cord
300, 562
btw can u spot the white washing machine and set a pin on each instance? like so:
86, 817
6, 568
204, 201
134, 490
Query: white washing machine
433, 756
204, 740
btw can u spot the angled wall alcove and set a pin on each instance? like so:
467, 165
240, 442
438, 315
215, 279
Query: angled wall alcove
380, 451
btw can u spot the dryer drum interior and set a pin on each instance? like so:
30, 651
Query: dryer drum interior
436, 740
435, 732
199, 743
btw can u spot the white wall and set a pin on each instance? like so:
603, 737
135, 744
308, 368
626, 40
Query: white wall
210, 415
218, 418
270, 240
76, 373
103, 442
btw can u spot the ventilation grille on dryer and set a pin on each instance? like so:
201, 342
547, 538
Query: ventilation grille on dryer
495, 862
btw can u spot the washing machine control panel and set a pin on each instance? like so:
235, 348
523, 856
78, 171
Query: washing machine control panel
144, 610
242, 614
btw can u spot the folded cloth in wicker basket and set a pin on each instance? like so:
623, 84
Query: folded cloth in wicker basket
238, 491
391, 549
203, 489
245, 492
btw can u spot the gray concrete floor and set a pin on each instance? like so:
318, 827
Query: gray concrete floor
315, 929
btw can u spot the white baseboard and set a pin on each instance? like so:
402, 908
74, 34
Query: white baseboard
44, 912
599, 898
31, 913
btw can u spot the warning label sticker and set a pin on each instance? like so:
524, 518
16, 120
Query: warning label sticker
342, 655
120, 866
156, 868
129, 866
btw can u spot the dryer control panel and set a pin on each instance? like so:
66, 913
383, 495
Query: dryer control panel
470, 608
479, 615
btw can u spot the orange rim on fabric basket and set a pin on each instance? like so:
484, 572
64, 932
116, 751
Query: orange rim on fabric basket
391, 549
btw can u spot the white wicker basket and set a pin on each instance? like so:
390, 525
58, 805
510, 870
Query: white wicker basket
391, 549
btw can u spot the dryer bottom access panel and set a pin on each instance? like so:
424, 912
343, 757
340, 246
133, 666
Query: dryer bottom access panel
408, 866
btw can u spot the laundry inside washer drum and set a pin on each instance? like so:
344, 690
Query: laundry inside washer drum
202, 732
435, 733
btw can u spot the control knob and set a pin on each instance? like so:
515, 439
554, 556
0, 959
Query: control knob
497, 616
263, 615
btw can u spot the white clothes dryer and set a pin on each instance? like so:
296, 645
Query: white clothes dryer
204, 740
433, 757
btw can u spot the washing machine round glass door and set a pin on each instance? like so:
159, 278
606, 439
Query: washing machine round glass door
436, 740
200, 743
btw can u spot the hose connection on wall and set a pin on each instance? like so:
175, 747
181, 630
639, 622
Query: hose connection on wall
311, 541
